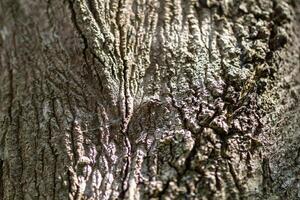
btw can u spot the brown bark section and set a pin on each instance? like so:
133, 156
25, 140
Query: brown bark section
1, 180
157, 99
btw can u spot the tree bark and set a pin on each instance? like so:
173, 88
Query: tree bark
149, 99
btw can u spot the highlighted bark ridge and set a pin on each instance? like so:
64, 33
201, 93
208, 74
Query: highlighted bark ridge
157, 99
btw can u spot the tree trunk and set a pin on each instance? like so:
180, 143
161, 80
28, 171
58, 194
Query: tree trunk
149, 99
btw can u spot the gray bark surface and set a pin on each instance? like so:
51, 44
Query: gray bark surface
149, 99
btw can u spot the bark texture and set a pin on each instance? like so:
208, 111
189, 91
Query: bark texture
149, 99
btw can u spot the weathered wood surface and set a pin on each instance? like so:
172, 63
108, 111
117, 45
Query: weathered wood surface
141, 99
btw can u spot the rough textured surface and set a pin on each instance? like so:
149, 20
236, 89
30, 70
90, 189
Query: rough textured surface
149, 99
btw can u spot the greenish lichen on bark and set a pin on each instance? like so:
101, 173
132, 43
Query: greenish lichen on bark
158, 99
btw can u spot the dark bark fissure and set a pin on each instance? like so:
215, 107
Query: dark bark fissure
267, 180
54, 154
1, 180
